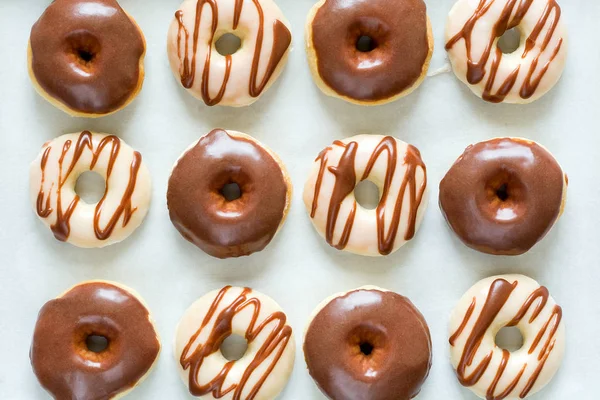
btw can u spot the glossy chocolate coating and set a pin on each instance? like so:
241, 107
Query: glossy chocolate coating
502, 196
201, 213
396, 332
399, 31
86, 54
59, 355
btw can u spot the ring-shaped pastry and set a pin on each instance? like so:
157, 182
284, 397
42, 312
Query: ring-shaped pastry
490, 305
261, 373
122, 208
395, 167
236, 79
473, 30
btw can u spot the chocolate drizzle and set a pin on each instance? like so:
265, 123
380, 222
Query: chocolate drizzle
345, 182
512, 15
499, 293
282, 39
61, 227
87, 55
275, 343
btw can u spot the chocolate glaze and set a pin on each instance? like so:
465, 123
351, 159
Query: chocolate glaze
400, 358
399, 29
276, 342
282, 38
512, 15
499, 293
86, 54
502, 196
59, 355
345, 182
204, 217
61, 227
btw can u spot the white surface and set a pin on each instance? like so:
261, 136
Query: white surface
298, 269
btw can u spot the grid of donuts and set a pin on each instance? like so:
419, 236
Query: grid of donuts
229, 195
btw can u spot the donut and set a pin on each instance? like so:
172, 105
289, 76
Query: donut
86, 57
494, 303
63, 361
261, 373
232, 80
201, 212
395, 167
53, 176
368, 52
368, 343
473, 30
502, 196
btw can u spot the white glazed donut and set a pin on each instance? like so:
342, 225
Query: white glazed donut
491, 304
263, 371
472, 33
237, 79
53, 176
395, 167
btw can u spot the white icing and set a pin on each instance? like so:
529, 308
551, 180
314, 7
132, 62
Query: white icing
529, 330
213, 364
82, 233
363, 238
464, 10
237, 89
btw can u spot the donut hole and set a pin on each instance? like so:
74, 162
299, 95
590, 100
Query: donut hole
90, 187
510, 41
366, 44
228, 44
367, 194
502, 192
96, 343
366, 348
231, 191
234, 347
83, 47
85, 55
509, 338
365, 339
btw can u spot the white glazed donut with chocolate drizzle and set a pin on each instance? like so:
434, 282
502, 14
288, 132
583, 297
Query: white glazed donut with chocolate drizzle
232, 80
261, 373
395, 167
490, 305
53, 176
472, 33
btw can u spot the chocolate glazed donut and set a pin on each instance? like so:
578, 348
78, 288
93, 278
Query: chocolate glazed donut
502, 196
368, 344
369, 52
86, 56
199, 208
65, 365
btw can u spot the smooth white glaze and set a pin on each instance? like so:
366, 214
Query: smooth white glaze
213, 364
530, 328
363, 238
237, 91
463, 12
82, 231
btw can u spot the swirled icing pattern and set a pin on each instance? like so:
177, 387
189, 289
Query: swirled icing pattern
73, 152
188, 43
541, 47
216, 327
469, 372
346, 179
